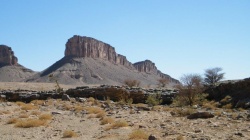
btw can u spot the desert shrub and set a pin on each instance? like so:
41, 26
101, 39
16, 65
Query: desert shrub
91, 99
189, 90
218, 113
30, 123
162, 82
45, 117
107, 120
132, 83
180, 138
69, 134
154, 99
138, 134
12, 121
126, 102
117, 124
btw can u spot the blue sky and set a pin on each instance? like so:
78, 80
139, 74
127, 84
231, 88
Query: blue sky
180, 36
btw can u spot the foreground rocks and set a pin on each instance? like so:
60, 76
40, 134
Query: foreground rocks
115, 93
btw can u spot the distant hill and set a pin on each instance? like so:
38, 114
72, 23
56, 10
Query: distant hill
10, 70
90, 61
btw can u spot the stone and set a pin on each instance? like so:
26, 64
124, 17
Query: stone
65, 97
152, 137
7, 56
202, 115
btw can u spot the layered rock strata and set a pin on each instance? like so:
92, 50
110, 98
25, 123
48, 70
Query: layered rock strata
81, 46
7, 56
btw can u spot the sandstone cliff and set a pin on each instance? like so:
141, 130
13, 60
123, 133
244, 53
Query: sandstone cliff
81, 46
7, 56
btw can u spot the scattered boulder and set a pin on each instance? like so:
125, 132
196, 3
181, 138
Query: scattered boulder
202, 115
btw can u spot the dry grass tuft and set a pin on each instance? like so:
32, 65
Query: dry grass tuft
101, 114
28, 107
69, 134
12, 121
30, 123
94, 110
183, 112
107, 120
4, 112
38, 102
117, 124
35, 113
20, 103
67, 106
180, 138
228, 106
138, 134
91, 99
45, 117
78, 108
24, 116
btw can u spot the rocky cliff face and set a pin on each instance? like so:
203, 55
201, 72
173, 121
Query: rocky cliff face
7, 56
81, 46
148, 66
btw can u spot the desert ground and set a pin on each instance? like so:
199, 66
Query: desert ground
92, 119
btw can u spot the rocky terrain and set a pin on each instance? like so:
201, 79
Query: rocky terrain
10, 70
90, 119
90, 61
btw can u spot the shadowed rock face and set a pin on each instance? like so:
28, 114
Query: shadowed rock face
81, 46
7, 56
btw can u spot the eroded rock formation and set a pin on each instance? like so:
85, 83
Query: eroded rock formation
7, 56
81, 46
148, 66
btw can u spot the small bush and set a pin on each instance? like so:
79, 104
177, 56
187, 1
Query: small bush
117, 124
138, 134
20, 103
132, 83
30, 123
107, 120
154, 99
91, 99
101, 114
69, 134
78, 108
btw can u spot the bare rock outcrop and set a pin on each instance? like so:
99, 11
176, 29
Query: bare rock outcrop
7, 56
81, 46
149, 67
